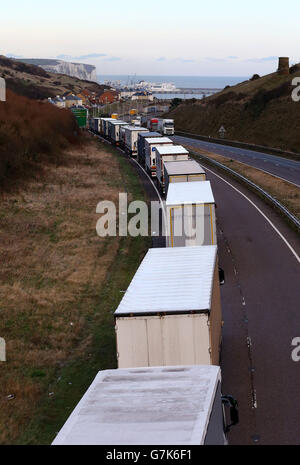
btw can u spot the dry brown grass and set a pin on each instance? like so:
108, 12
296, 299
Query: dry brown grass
50, 255
285, 192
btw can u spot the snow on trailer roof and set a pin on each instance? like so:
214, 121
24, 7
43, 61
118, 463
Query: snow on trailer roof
171, 280
180, 193
183, 167
144, 406
159, 140
171, 150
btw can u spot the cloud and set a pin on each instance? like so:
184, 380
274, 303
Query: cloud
161, 59
185, 60
214, 59
12, 55
261, 60
82, 57
232, 57
112, 59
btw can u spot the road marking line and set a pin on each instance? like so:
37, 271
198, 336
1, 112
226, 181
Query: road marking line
262, 213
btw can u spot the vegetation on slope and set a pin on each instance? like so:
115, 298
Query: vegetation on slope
30, 132
259, 111
34, 82
60, 284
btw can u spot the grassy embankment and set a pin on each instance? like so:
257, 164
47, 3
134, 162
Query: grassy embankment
285, 192
259, 111
60, 284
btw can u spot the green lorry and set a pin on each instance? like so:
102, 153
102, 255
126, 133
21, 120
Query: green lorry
81, 115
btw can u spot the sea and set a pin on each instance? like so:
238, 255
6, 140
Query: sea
182, 82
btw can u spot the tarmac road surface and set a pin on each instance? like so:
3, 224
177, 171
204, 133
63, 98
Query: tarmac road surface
261, 311
284, 168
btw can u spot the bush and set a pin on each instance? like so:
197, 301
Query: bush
255, 77
31, 131
261, 99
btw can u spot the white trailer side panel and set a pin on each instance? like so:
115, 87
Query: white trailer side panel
163, 340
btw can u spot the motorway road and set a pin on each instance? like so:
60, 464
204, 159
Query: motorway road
278, 166
261, 313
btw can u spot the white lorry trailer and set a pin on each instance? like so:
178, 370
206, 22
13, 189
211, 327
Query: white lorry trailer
95, 125
104, 126
168, 153
183, 171
152, 406
114, 130
191, 216
150, 153
131, 139
166, 127
171, 311
141, 145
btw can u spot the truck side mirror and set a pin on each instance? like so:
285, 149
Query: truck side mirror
231, 402
221, 276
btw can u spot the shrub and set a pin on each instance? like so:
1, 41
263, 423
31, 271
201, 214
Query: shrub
31, 131
255, 77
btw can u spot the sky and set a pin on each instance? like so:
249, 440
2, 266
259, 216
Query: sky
161, 37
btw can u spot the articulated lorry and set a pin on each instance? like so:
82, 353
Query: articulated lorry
131, 139
114, 130
171, 311
164, 154
141, 144
191, 215
165, 127
177, 405
150, 152
183, 171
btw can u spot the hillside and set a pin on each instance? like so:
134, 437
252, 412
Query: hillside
33, 81
31, 134
79, 70
259, 111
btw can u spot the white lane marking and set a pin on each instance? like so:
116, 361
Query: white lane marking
262, 213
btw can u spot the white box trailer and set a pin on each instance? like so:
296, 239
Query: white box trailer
171, 311
168, 153
191, 215
114, 130
122, 135
151, 406
183, 171
150, 153
141, 144
95, 125
104, 125
131, 138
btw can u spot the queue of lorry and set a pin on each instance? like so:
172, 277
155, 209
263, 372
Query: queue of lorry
167, 387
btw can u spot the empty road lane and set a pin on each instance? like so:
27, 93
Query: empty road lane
284, 168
